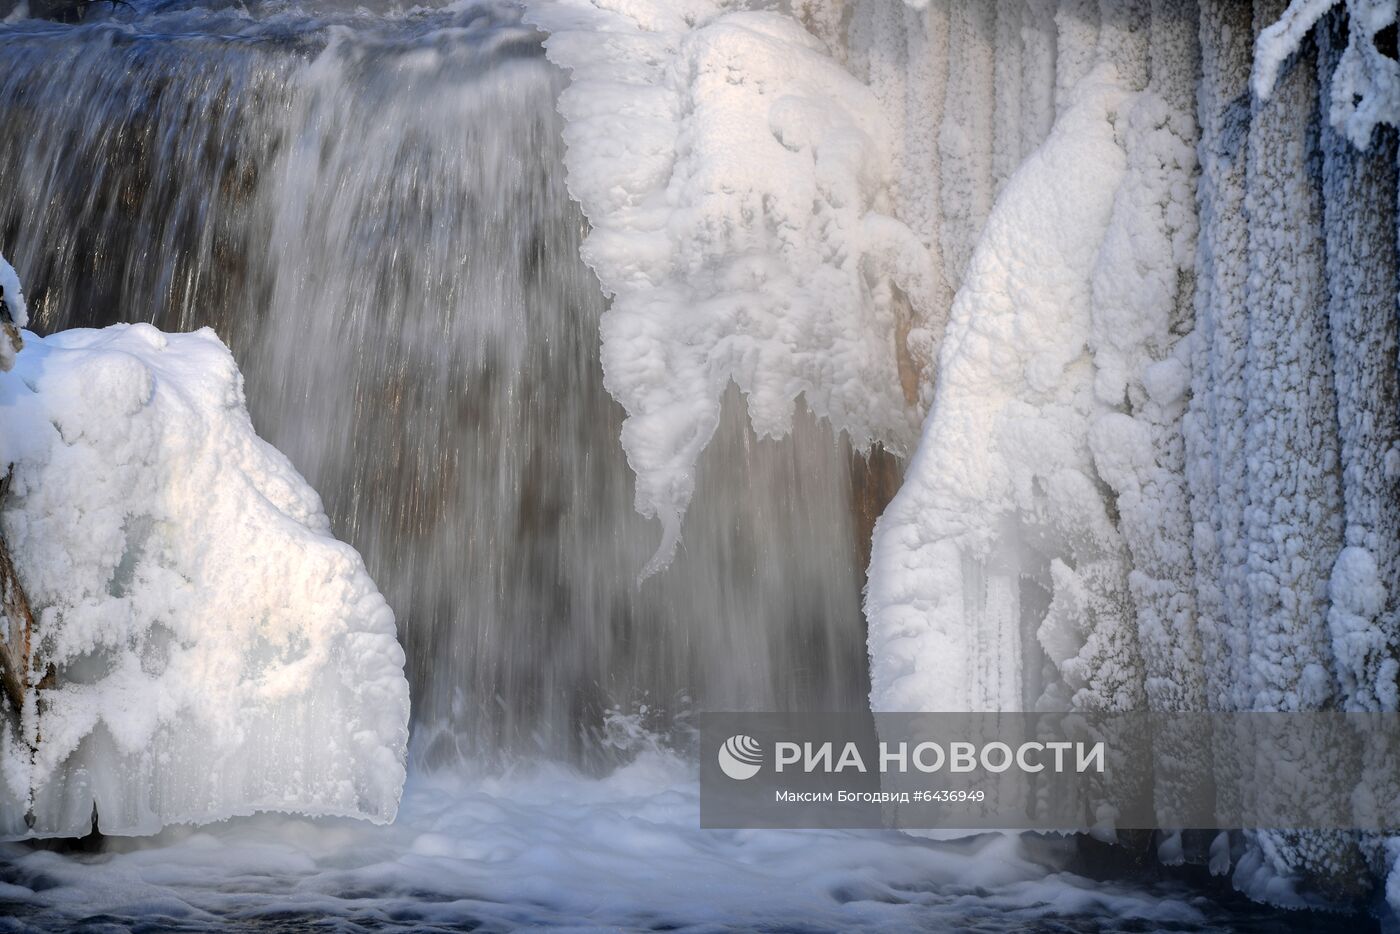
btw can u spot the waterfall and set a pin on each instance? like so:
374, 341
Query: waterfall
370, 210
1117, 276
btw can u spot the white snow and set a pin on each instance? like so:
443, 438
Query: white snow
1358, 597
216, 650
736, 180
1003, 484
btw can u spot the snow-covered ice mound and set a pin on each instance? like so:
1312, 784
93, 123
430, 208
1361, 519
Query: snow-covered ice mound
216, 650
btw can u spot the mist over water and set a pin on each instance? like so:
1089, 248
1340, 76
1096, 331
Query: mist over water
371, 211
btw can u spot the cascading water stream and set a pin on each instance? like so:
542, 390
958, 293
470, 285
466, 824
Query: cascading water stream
371, 211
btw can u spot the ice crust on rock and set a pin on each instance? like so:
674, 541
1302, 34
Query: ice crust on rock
217, 652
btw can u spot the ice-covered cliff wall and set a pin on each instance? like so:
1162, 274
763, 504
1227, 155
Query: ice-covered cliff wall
1063, 557
1160, 459
759, 217
1159, 469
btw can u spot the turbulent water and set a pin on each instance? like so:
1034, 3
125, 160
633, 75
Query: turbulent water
550, 850
371, 211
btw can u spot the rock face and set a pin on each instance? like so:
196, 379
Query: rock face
16, 628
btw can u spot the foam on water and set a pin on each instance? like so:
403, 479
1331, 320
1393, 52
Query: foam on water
548, 847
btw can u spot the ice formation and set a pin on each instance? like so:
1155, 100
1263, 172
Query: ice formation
1158, 468
1014, 401
12, 299
1043, 519
1365, 79
1173, 492
736, 179
214, 650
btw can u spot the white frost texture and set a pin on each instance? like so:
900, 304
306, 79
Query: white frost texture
1005, 465
1366, 83
1159, 469
736, 179
214, 650
1038, 553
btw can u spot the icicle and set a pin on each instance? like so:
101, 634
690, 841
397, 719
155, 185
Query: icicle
1358, 197
1293, 522
1142, 375
1077, 41
926, 92
1123, 39
920, 181
1215, 423
1215, 419
965, 137
1359, 192
1006, 81
1037, 73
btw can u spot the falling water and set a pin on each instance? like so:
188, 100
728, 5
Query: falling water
371, 211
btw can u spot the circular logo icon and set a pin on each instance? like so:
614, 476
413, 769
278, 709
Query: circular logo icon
741, 757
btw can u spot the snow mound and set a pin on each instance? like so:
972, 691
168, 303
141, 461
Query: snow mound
736, 180
215, 650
